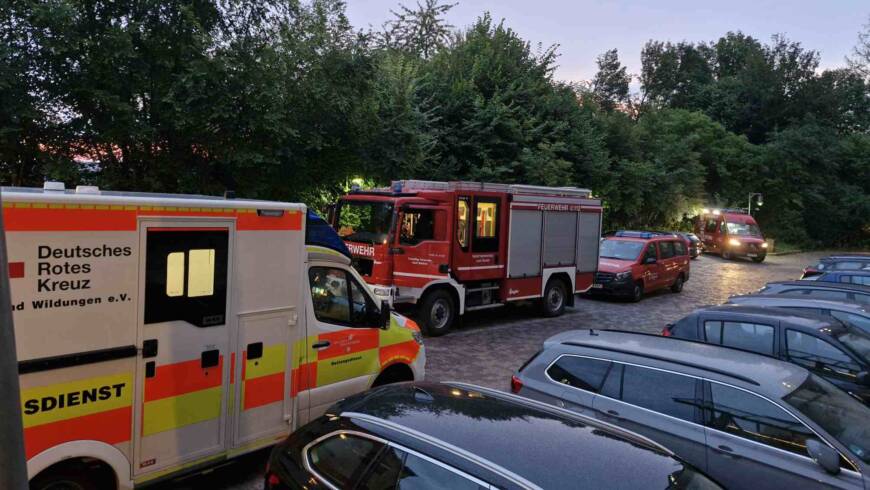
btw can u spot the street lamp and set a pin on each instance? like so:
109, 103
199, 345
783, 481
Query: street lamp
760, 200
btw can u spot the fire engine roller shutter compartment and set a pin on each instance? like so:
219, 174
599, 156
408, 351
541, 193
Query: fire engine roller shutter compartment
560, 232
525, 243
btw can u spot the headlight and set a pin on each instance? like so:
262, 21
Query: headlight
621, 276
734, 242
764, 245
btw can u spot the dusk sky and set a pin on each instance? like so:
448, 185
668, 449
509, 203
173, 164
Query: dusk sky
584, 28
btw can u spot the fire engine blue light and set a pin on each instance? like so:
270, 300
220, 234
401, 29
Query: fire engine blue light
397, 187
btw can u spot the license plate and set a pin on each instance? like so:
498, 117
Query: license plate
598, 286
752, 255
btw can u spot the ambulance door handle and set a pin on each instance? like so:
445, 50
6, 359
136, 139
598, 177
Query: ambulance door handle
149, 348
150, 369
321, 345
255, 351
210, 358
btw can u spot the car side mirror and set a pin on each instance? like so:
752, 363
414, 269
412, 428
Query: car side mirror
864, 378
385, 314
824, 455
649, 260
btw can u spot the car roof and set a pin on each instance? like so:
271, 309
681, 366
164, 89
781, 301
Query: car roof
841, 272
793, 318
539, 443
755, 372
823, 284
847, 257
787, 300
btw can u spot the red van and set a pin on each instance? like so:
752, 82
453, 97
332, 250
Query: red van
632, 263
731, 233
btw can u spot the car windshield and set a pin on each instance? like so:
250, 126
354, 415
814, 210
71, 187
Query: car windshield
743, 229
362, 221
620, 249
840, 415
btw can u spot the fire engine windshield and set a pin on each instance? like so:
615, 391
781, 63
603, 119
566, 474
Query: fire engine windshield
620, 249
361, 221
744, 229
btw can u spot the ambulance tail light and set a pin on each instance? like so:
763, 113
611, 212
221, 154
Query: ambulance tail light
516, 384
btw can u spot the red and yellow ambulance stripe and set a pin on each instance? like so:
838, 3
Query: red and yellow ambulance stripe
97, 408
181, 394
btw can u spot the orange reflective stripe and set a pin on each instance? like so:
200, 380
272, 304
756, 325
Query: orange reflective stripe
304, 378
405, 351
264, 390
111, 427
181, 378
102, 217
348, 341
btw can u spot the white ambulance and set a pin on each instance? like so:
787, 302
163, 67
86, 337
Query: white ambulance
160, 334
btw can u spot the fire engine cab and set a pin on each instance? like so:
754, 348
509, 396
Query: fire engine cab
161, 334
454, 247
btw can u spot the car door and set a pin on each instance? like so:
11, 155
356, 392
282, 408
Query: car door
823, 358
343, 336
668, 262
652, 272
752, 440
581, 377
662, 405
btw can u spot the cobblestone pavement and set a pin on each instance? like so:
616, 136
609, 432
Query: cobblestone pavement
490, 345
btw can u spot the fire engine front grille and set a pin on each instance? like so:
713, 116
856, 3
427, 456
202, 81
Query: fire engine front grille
363, 266
604, 277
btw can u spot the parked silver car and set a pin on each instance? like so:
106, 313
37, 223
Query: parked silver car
750, 421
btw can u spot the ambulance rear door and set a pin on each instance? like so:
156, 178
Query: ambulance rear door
184, 370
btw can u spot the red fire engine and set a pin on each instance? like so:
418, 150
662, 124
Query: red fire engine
453, 247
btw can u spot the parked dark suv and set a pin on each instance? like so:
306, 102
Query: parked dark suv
842, 262
824, 345
854, 314
752, 421
853, 293
457, 436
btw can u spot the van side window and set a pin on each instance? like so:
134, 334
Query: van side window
816, 354
740, 335
660, 391
186, 276
666, 250
751, 417
680, 248
579, 372
338, 299
486, 226
650, 252
417, 225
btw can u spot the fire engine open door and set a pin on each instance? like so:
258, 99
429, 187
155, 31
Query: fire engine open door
184, 366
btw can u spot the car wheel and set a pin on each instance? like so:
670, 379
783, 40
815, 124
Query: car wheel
678, 284
437, 313
637, 292
726, 255
64, 479
758, 260
555, 298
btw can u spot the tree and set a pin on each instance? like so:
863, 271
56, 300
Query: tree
610, 85
860, 59
421, 31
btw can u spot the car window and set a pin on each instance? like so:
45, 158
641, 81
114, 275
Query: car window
417, 225
741, 335
337, 298
847, 265
613, 384
343, 458
820, 293
666, 250
749, 416
680, 248
650, 252
663, 392
818, 355
422, 474
579, 372
857, 321
711, 226
384, 473
865, 280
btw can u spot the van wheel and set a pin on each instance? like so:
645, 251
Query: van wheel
64, 479
555, 298
637, 292
678, 284
758, 260
726, 255
437, 313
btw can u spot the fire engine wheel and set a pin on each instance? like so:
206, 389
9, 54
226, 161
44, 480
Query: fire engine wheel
726, 255
555, 295
758, 260
677, 286
437, 313
637, 292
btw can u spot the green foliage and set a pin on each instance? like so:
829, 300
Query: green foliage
610, 85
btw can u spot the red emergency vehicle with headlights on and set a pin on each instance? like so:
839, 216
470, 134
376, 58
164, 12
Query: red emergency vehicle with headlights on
454, 247
731, 233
